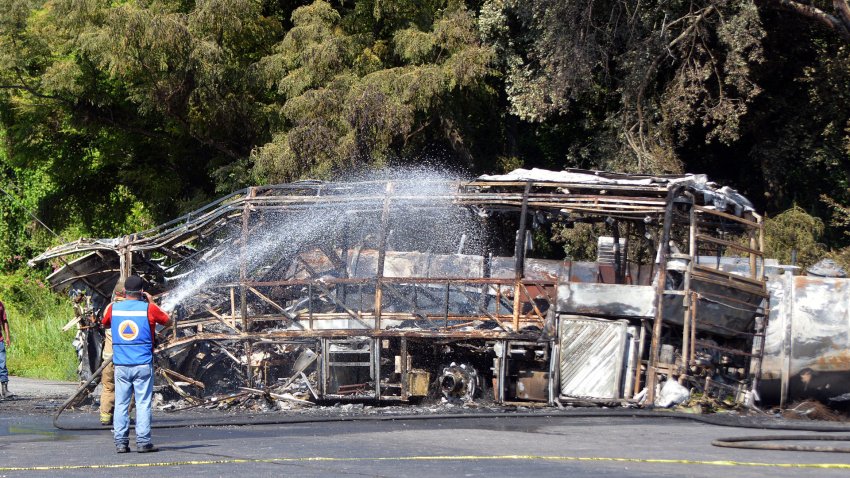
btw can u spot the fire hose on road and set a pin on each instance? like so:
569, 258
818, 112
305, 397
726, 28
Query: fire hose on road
745, 442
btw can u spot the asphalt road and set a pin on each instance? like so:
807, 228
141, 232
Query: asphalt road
31, 388
537, 446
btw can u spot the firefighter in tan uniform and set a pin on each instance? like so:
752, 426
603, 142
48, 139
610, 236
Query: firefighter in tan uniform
107, 382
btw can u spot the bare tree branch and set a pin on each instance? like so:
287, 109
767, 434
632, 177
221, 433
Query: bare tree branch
840, 24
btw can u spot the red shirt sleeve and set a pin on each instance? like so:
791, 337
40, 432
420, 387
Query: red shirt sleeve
107, 316
156, 315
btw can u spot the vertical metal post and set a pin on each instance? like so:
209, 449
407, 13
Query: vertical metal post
405, 392
693, 230
688, 297
125, 259
618, 267
310, 305
376, 366
503, 367
759, 221
232, 304
555, 364
323, 365
661, 280
641, 345
686, 334
761, 325
519, 254
788, 343
446, 309
382, 254
694, 308
487, 273
761, 336
753, 262
243, 290
498, 299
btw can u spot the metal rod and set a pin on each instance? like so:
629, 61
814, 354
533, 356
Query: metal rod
310, 305
694, 309
232, 303
503, 361
519, 253
618, 266
787, 348
446, 309
761, 248
376, 366
686, 334
404, 370
641, 344
324, 371
661, 278
382, 253
243, 292
688, 298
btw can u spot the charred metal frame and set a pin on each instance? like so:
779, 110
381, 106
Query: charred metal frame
257, 311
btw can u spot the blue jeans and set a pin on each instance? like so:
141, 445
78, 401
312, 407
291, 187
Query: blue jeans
4, 374
133, 380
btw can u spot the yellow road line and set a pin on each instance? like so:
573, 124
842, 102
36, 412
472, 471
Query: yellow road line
230, 461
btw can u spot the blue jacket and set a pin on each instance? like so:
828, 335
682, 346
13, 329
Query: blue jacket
132, 341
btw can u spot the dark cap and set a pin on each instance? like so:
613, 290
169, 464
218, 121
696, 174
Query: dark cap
134, 284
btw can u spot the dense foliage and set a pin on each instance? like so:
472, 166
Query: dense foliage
117, 115
39, 346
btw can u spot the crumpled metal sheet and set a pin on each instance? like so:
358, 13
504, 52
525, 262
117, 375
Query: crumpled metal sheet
593, 354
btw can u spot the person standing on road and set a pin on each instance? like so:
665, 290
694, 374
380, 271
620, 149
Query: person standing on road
5, 342
107, 382
133, 323
107, 377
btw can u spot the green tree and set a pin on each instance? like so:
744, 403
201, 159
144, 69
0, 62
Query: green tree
794, 230
658, 70
363, 91
115, 115
129, 109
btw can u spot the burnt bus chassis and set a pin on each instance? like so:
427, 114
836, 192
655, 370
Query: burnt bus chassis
515, 313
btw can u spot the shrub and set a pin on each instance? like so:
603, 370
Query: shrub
36, 315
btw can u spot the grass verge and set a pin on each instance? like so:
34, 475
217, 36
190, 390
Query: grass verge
36, 315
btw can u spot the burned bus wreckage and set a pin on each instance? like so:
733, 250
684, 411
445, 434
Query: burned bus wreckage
401, 288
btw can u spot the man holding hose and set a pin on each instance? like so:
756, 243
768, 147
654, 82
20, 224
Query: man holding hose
133, 321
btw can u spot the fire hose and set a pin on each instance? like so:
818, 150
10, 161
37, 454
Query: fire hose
746, 442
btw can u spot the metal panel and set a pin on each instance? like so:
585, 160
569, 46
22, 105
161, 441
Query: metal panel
807, 344
532, 385
605, 249
606, 299
631, 361
593, 354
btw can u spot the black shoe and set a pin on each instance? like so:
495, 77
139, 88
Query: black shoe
122, 448
146, 448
